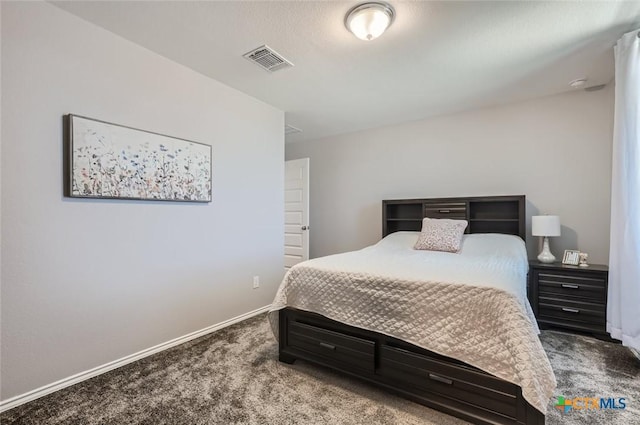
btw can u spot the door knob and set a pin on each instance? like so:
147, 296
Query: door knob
305, 227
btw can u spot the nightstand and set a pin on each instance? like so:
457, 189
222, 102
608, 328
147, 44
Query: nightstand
569, 297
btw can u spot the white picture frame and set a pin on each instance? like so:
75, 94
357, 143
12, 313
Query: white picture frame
571, 257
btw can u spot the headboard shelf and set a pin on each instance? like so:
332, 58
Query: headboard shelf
485, 214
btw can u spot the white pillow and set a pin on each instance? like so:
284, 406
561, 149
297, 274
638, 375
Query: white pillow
441, 234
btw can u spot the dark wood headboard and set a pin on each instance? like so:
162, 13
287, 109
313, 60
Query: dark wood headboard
485, 214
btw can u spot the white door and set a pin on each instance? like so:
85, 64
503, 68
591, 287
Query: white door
296, 212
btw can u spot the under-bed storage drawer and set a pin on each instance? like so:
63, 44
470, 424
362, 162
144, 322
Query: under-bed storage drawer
457, 383
333, 346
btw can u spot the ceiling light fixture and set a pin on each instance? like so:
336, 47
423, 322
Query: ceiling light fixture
369, 20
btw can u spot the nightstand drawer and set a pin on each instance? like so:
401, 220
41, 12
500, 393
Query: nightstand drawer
568, 310
576, 287
564, 276
569, 297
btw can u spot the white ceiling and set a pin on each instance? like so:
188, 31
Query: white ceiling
436, 58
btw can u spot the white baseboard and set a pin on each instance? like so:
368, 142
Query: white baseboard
82, 376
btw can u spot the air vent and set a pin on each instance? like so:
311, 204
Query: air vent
289, 129
267, 58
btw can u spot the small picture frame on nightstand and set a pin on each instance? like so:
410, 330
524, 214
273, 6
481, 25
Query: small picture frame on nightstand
571, 257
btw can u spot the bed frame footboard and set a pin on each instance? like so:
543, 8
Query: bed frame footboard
438, 382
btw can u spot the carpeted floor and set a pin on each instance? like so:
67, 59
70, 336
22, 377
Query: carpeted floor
233, 377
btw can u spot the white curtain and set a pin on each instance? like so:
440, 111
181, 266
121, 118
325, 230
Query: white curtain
623, 306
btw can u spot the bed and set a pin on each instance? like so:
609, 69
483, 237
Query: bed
454, 332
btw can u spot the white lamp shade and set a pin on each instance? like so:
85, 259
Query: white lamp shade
545, 225
369, 20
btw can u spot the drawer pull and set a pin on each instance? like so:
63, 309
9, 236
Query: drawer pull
444, 211
329, 346
440, 379
567, 285
570, 310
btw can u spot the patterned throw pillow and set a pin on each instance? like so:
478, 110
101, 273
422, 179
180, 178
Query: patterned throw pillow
441, 235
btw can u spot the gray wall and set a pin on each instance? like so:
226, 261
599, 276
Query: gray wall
555, 150
86, 282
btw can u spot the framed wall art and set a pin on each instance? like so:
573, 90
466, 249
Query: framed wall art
105, 160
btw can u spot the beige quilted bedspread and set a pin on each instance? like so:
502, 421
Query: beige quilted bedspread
484, 326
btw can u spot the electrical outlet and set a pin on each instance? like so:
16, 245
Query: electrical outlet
256, 282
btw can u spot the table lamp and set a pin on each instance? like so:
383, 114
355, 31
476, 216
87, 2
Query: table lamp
545, 225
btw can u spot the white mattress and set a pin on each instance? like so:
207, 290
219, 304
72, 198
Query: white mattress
470, 306
490, 259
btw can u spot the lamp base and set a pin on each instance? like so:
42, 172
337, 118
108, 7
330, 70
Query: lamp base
545, 255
